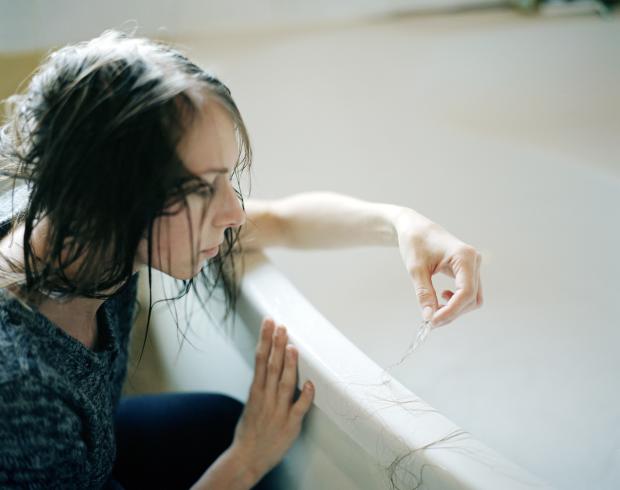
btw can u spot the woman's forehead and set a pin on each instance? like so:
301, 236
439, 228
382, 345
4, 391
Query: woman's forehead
210, 143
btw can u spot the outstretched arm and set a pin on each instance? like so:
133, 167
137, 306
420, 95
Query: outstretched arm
318, 220
331, 220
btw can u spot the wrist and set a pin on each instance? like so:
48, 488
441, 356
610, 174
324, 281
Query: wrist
246, 464
231, 471
387, 222
407, 220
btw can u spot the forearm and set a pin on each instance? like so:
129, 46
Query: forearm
228, 471
323, 220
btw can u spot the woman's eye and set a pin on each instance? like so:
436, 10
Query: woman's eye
205, 190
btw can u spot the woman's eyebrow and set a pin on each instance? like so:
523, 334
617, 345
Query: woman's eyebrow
217, 170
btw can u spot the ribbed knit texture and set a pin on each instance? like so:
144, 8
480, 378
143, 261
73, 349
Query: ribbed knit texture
57, 397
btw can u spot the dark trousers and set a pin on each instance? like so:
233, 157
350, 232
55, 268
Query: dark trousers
169, 440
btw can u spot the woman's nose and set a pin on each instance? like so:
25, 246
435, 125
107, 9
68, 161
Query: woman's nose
231, 213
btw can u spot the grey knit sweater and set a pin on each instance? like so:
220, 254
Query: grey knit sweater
57, 397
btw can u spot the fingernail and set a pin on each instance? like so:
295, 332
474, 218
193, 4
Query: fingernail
427, 313
308, 386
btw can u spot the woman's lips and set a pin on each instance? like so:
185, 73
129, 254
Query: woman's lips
211, 252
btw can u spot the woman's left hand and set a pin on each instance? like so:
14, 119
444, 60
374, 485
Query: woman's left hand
426, 248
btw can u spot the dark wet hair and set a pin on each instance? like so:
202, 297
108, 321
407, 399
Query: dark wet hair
95, 136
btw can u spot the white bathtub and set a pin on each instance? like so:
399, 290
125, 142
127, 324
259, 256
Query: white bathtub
532, 375
357, 402
504, 130
356, 423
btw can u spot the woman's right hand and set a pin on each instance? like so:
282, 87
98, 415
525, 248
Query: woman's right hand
271, 421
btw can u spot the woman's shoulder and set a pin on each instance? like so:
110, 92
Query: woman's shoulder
16, 357
125, 302
41, 438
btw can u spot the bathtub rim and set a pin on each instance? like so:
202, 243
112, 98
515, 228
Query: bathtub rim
343, 376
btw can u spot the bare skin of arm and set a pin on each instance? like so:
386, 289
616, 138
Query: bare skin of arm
330, 220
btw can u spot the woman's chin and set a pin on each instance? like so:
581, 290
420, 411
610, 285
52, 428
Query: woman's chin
184, 273
198, 268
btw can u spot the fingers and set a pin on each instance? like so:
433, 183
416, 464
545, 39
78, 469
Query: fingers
447, 295
466, 270
303, 404
271, 421
479, 297
276, 361
427, 297
453, 308
262, 352
276, 372
286, 387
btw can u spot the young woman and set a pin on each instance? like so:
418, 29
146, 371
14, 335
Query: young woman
129, 153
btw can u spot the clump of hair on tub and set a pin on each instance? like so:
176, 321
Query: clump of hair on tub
397, 471
399, 474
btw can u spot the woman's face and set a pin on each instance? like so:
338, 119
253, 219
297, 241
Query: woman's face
209, 150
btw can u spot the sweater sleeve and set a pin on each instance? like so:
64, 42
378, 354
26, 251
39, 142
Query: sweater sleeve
40, 443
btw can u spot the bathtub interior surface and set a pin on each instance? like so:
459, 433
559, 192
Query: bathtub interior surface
532, 374
502, 128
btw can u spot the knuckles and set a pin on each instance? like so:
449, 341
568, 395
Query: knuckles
469, 253
285, 385
416, 270
423, 292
